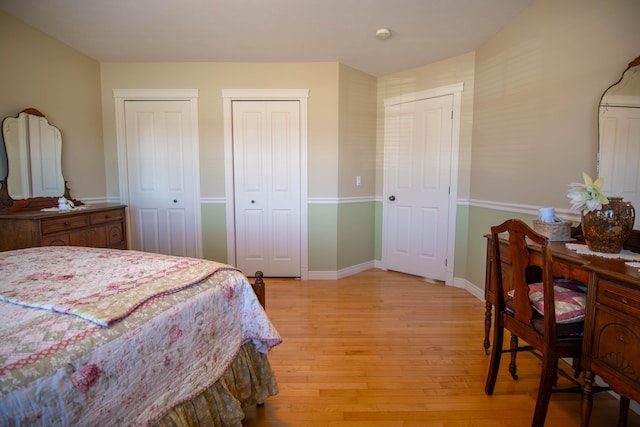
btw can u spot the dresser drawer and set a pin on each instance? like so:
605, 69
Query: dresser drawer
618, 297
115, 234
61, 239
56, 225
107, 216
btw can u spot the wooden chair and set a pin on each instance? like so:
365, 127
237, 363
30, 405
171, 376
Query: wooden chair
514, 272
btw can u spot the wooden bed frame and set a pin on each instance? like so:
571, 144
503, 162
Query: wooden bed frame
259, 289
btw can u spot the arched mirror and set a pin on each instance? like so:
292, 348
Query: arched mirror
619, 137
31, 169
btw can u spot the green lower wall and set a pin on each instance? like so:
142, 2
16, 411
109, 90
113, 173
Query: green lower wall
323, 240
462, 232
356, 234
340, 235
214, 231
480, 222
349, 234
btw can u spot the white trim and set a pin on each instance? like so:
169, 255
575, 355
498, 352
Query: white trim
455, 90
300, 95
212, 200
120, 97
342, 273
522, 209
341, 200
310, 201
620, 101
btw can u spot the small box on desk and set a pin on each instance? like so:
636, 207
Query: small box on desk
557, 231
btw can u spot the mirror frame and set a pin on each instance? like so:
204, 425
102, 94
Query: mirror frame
632, 64
10, 205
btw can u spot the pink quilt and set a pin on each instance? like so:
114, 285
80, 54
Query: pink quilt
174, 326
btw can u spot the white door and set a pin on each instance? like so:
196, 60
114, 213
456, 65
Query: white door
418, 139
620, 152
161, 152
266, 161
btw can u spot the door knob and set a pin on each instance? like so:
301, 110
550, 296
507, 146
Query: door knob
175, 200
392, 198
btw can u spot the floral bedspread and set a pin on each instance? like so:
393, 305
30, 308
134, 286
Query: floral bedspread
166, 341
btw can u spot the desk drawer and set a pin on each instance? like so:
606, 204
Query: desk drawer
619, 298
616, 348
57, 225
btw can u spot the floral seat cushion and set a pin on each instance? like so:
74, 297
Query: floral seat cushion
570, 296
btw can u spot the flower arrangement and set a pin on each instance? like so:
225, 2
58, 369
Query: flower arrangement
587, 197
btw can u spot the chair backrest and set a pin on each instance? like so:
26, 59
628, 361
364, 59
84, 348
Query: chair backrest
519, 266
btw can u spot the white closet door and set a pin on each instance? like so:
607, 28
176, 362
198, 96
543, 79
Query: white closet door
266, 159
161, 153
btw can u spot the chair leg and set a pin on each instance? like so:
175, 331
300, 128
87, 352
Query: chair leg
513, 345
576, 365
496, 354
624, 411
547, 378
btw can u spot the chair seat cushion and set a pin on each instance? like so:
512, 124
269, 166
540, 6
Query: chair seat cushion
570, 296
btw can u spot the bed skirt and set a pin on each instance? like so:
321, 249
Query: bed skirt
248, 381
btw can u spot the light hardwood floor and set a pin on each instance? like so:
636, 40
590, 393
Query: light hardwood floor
387, 349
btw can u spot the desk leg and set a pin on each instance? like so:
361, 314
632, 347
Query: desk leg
587, 398
624, 411
487, 326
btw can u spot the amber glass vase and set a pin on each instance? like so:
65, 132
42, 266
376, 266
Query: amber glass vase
606, 229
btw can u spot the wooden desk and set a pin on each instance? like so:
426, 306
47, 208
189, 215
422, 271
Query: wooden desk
611, 347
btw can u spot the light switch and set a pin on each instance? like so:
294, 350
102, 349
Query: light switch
358, 181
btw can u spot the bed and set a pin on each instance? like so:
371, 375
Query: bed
110, 337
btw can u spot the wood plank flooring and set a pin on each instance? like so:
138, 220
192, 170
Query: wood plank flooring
391, 350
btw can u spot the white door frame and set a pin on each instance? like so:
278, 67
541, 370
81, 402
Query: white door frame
191, 95
300, 95
456, 91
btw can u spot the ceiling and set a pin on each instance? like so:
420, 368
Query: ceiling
423, 31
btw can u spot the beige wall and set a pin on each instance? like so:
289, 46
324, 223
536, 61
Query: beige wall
43, 73
357, 120
210, 78
538, 83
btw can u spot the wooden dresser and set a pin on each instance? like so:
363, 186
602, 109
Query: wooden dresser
100, 226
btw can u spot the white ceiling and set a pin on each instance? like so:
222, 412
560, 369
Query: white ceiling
423, 31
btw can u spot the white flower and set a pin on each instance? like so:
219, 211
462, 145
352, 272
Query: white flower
587, 197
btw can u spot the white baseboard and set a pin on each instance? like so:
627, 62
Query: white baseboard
341, 274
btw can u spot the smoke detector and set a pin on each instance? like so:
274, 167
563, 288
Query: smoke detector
383, 33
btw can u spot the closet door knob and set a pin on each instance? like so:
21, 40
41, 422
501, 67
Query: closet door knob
392, 198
